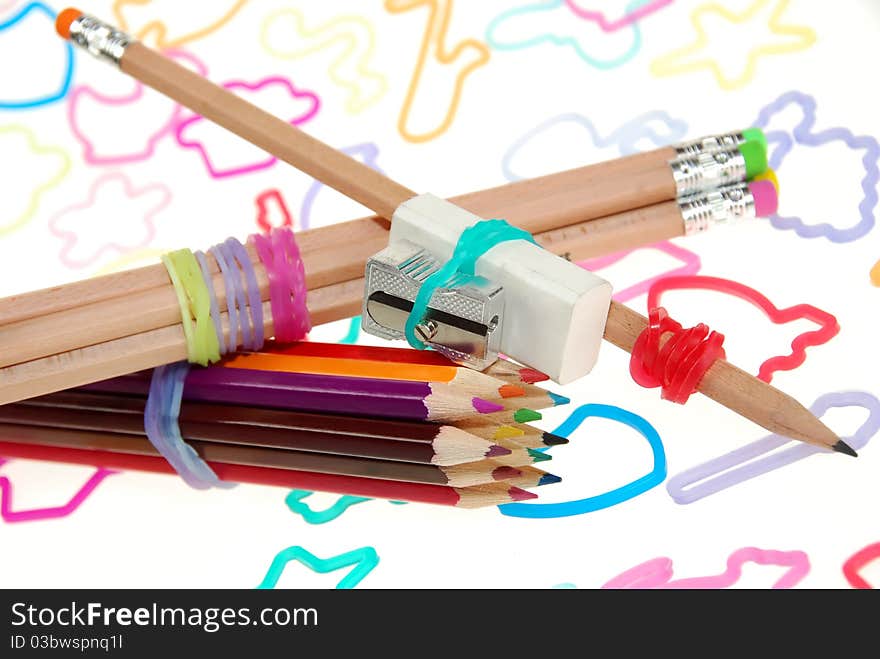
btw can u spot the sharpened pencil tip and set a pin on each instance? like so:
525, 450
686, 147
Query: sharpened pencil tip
531, 376
558, 399
496, 450
549, 479
505, 473
842, 447
539, 456
519, 494
553, 440
525, 415
485, 406
511, 391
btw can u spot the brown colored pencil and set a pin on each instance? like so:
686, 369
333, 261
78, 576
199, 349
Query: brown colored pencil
16, 444
365, 437
464, 475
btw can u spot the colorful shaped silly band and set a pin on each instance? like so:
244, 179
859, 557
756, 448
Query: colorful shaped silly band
853, 565
607, 499
472, 244
200, 316
762, 456
828, 326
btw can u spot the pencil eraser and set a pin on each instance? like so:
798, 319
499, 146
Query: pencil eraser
755, 134
769, 175
554, 311
766, 199
64, 20
755, 156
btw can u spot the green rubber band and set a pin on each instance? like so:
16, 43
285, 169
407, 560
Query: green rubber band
473, 243
202, 342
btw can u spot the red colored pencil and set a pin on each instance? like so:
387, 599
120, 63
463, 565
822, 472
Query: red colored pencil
462, 497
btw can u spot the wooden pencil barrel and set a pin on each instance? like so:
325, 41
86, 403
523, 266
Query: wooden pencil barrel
284, 141
157, 307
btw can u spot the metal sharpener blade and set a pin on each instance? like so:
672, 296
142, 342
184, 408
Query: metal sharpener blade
464, 318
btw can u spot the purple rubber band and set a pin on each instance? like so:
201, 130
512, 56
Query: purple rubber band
255, 301
161, 425
238, 290
805, 133
747, 462
229, 285
238, 293
215, 308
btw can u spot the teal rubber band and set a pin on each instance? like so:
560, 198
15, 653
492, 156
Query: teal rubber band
473, 243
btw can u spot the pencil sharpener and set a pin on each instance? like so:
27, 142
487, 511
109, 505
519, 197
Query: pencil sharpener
533, 306
464, 319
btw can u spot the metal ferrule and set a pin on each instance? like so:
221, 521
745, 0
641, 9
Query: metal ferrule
709, 144
703, 211
707, 171
101, 39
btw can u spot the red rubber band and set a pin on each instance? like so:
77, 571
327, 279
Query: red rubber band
828, 326
678, 365
853, 565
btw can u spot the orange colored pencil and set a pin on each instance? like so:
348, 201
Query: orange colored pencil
462, 379
500, 370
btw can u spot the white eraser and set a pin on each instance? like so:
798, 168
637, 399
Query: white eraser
554, 311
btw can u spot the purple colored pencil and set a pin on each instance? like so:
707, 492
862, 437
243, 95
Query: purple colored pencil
396, 399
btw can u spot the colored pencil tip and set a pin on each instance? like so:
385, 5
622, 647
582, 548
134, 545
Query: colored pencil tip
842, 447
554, 440
505, 473
558, 399
524, 415
506, 432
549, 479
531, 376
519, 494
484, 406
511, 391
539, 456
495, 451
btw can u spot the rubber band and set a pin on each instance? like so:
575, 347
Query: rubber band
251, 333
680, 363
762, 456
203, 329
280, 256
853, 565
230, 283
473, 243
607, 499
202, 344
828, 325
215, 307
161, 425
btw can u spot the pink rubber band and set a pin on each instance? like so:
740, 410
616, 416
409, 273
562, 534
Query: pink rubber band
280, 256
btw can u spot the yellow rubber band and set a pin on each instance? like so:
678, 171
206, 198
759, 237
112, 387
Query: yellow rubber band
202, 342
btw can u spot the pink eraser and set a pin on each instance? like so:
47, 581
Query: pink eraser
766, 199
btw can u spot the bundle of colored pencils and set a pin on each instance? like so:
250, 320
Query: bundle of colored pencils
382, 422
